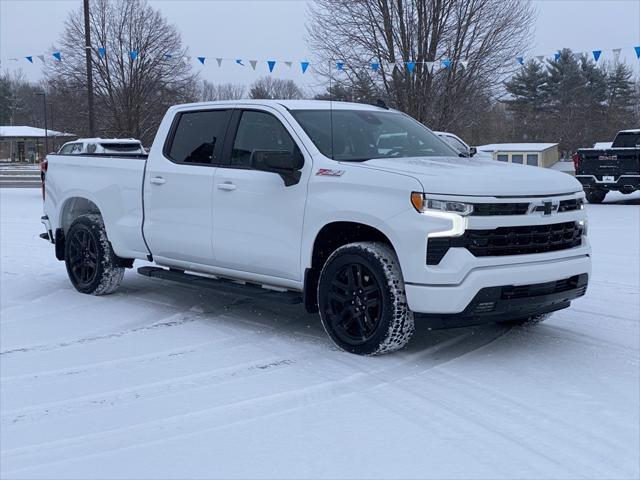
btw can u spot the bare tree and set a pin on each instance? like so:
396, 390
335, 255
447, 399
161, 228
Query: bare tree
275, 88
480, 39
224, 91
132, 91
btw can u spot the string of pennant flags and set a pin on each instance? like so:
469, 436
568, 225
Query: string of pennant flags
339, 65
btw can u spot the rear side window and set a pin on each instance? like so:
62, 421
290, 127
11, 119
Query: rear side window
626, 140
198, 136
259, 131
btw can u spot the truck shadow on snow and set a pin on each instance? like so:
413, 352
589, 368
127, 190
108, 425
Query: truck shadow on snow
290, 326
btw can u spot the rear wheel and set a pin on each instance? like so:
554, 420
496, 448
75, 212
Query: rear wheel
362, 301
596, 196
91, 264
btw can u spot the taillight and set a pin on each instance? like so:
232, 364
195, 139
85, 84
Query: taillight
44, 164
576, 161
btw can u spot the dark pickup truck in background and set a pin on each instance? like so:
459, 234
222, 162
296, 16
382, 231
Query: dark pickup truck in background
616, 168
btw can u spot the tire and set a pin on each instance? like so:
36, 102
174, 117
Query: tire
530, 320
91, 264
596, 196
362, 302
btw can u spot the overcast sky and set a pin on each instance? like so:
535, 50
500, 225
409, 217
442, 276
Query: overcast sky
275, 29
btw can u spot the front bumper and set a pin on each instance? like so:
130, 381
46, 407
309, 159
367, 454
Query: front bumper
510, 302
445, 299
625, 183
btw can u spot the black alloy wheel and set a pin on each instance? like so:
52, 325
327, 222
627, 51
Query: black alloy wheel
83, 257
354, 308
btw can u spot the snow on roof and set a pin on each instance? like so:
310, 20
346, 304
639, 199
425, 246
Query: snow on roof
602, 145
633, 130
6, 131
563, 167
107, 140
516, 147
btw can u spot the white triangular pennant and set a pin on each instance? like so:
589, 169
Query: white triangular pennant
288, 64
219, 60
464, 63
616, 53
540, 58
253, 63
41, 57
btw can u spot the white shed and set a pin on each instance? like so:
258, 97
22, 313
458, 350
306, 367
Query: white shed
536, 154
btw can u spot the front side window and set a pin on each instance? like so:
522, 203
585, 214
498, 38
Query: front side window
198, 136
259, 131
455, 143
359, 135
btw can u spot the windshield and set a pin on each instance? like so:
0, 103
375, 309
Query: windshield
360, 135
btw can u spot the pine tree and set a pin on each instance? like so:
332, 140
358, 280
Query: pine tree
528, 100
621, 98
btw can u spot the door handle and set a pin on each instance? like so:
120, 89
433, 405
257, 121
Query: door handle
228, 186
157, 181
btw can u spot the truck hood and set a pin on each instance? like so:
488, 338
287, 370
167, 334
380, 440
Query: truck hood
476, 176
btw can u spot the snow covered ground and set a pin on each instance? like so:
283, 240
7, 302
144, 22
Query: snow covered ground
161, 380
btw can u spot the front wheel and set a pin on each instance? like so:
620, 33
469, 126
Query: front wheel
362, 300
92, 265
596, 196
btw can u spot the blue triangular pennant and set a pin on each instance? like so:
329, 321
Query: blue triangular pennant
520, 60
304, 66
556, 56
102, 52
30, 58
375, 66
167, 56
340, 66
411, 66
637, 49
239, 61
446, 63
596, 54
202, 59
271, 64
57, 56
133, 54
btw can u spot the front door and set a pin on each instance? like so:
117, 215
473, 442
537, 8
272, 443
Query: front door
257, 226
178, 188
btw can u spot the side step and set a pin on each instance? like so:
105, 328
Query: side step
223, 285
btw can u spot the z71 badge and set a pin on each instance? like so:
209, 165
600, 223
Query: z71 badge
327, 172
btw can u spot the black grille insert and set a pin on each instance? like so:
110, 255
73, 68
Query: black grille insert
525, 291
522, 240
488, 209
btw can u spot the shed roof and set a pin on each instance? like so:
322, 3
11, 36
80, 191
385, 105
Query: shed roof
516, 147
30, 132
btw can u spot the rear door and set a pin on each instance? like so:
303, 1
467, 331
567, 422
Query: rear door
178, 187
258, 220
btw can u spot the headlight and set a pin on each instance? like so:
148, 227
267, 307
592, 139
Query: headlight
454, 212
423, 204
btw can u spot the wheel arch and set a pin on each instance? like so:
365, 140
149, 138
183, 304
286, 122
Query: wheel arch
330, 237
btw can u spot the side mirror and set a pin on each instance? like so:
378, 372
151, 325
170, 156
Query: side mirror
472, 151
285, 164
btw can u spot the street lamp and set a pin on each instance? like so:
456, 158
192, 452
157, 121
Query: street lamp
46, 135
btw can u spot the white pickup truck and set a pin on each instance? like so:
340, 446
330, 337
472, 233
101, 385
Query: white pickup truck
298, 201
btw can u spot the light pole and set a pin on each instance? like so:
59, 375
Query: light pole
46, 134
87, 50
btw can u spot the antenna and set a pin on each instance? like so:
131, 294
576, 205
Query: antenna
331, 108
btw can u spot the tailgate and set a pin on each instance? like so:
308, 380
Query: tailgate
610, 162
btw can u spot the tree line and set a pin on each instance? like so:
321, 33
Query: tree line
483, 96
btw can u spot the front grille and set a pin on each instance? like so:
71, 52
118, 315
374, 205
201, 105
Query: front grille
522, 240
570, 205
488, 209
511, 292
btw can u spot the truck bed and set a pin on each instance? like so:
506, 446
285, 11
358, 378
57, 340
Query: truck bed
112, 182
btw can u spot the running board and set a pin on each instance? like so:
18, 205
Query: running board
252, 290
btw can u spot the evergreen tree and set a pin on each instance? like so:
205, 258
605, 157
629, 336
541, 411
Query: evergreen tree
5, 100
621, 98
528, 100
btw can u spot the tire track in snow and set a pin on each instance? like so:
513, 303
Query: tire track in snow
169, 428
